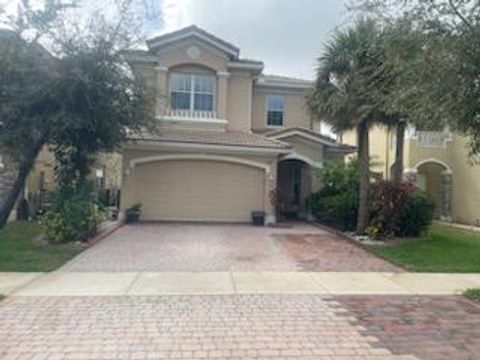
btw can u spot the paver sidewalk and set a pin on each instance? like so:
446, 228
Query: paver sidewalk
234, 327
213, 283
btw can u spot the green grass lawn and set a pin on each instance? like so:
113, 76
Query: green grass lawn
444, 249
19, 251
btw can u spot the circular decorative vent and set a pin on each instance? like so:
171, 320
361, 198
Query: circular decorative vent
193, 52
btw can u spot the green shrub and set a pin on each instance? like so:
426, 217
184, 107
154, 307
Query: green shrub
395, 209
338, 177
73, 214
337, 202
417, 214
340, 210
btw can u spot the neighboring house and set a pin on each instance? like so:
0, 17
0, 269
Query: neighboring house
106, 170
230, 139
438, 162
106, 173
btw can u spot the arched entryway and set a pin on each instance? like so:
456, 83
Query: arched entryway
294, 185
435, 177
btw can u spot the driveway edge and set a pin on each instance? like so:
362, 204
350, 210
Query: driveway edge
356, 243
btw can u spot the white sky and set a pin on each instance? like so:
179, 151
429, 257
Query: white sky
287, 35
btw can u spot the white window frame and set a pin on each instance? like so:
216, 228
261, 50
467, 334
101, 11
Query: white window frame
267, 109
192, 90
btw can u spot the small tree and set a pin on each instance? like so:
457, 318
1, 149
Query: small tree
26, 74
89, 104
99, 102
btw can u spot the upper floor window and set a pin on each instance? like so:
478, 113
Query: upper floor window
275, 107
193, 92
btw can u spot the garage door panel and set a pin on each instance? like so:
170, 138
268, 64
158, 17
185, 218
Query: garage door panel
192, 190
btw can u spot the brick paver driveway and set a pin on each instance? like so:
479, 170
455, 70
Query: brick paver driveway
240, 327
234, 325
190, 247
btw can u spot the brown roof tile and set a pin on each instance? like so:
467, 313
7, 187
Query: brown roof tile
228, 138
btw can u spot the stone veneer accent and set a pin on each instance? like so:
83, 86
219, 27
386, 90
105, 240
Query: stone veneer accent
446, 195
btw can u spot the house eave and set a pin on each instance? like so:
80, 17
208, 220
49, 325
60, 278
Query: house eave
331, 145
211, 147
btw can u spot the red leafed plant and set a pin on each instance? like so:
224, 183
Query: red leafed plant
387, 203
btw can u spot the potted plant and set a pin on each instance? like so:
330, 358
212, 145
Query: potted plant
258, 218
132, 214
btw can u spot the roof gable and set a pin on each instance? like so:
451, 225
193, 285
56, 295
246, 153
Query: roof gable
194, 32
308, 134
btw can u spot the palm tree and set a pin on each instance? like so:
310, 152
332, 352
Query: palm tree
347, 76
403, 48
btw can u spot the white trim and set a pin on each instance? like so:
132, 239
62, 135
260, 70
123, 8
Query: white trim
448, 169
245, 66
159, 42
212, 147
305, 159
220, 158
288, 85
409, 171
285, 90
192, 120
304, 135
161, 68
223, 73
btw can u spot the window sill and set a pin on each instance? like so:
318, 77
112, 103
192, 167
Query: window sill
202, 123
192, 119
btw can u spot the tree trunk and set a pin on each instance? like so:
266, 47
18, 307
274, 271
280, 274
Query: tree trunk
364, 163
23, 171
398, 167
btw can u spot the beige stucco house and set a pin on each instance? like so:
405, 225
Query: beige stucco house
229, 141
438, 162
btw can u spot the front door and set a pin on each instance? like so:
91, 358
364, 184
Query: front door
289, 188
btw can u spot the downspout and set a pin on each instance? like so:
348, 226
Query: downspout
387, 154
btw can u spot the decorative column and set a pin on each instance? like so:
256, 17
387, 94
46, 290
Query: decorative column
410, 175
127, 195
446, 190
222, 91
161, 90
270, 185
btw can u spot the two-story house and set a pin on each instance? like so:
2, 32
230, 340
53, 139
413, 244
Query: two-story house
437, 162
230, 140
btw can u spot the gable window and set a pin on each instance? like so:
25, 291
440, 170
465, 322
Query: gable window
275, 107
193, 92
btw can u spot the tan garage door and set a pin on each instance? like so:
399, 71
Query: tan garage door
199, 190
